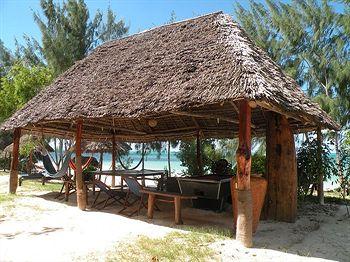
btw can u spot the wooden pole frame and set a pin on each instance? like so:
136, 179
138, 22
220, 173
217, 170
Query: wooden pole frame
81, 188
199, 154
13, 183
113, 159
244, 232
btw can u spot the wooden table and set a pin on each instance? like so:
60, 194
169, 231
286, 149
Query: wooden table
169, 197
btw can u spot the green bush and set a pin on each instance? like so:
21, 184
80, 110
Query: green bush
188, 156
308, 165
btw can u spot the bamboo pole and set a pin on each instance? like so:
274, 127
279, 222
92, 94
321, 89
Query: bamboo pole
15, 161
199, 154
81, 189
113, 159
244, 196
169, 166
320, 192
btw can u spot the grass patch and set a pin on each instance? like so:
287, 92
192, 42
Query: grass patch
7, 198
330, 197
175, 246
28, 185
4, 173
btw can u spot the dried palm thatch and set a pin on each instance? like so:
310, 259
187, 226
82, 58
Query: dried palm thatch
105, 147
167, 83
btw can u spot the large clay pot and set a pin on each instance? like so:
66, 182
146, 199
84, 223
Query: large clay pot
258, 187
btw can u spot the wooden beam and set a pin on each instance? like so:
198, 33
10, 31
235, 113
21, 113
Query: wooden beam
15, 161
244, 196
209, 116
81, 188
281, 195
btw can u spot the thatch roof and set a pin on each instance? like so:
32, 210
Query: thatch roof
105, 146
188, 76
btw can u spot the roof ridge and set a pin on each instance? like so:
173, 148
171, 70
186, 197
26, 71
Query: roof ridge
161, 26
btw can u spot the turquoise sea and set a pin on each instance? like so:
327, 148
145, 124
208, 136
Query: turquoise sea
153, 160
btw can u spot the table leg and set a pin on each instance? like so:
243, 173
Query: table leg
177, 202
151, 199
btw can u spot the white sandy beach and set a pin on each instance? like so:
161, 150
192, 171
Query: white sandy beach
44, 229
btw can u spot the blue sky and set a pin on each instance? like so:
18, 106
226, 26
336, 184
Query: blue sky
16, 16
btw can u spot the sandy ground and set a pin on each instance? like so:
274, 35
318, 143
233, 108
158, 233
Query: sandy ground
44, 229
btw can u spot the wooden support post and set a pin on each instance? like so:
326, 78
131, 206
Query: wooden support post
244, 230
177, 203
113, 160
15, 161
150, 209
81, 188
281, 195
320, 192
199, 154
169, 166
143, 181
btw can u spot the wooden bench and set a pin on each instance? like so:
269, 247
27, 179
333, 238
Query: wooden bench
166, 197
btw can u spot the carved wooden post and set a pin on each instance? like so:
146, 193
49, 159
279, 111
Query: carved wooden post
15, 161
199, 154
81, 188
244, 196
113, 160
320, 192
281, 195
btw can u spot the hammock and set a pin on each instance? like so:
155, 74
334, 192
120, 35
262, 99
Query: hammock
51, 171
123, 166
73, 166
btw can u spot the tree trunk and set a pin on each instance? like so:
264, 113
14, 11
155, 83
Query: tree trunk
320, 192
15, 161
199, 155
81, 189
113, 160
169, 167
337, 159
281, 199
244, 228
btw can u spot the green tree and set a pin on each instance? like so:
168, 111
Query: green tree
21, 84
310, 40
68, 33
6, 59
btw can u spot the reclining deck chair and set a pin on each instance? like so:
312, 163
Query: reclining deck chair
112, 194
134, 188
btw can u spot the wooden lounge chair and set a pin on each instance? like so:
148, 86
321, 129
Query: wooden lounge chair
112, 194
134, 190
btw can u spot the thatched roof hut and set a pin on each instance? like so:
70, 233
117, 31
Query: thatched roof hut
201, 77
167, 83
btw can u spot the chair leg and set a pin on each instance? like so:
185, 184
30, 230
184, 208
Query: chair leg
59, 194
140, 205
126, 203
98, 194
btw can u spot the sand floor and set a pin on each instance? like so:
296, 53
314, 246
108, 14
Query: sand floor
45, 229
